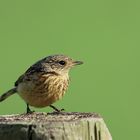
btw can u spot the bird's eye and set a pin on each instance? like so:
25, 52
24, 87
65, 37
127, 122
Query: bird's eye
62, 62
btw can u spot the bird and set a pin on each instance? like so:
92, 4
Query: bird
44, 83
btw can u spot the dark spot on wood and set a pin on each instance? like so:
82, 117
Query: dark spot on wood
99, 133
30, 131
52, 136
95, 132
88, 125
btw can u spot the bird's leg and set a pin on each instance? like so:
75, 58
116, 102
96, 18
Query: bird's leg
28, 109
57, 110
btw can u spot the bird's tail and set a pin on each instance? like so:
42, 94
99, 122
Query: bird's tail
7, 94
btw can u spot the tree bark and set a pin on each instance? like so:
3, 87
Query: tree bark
53, 126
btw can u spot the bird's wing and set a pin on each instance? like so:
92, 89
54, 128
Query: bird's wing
36, 68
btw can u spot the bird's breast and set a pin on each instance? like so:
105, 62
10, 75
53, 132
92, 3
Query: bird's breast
43, 90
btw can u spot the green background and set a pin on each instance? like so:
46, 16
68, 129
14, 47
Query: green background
104, 34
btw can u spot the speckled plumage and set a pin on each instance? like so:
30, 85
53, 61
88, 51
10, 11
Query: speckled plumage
44, 82
44, 90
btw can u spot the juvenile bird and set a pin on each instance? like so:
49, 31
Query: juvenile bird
44, 82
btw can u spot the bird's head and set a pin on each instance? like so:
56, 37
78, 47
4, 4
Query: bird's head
60, 64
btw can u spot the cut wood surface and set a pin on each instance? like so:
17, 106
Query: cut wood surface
53, 126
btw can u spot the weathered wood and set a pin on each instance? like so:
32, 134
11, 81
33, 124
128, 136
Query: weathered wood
53, 126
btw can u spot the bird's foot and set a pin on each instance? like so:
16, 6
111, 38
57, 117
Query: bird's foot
29, 111
56, 110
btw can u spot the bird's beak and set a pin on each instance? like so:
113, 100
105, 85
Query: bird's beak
77, 63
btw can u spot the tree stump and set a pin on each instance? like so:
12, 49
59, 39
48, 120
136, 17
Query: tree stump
53, 126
